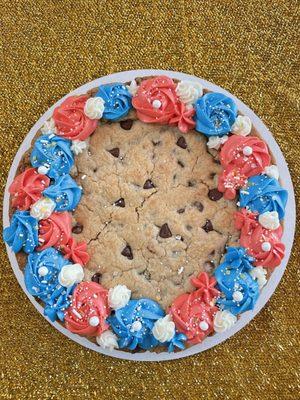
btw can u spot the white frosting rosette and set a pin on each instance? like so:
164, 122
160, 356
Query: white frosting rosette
272, 171
132, 88
94, 107
188, 92
108, 340
78, 146
214, 142
49, 127
242, 125
259, 274
269, 220
224, 320
118, 296
43, 208
164, 329
70, 274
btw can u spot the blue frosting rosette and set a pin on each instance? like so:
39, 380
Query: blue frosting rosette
117, 101
215, 114
178, 341
133, 323
41, 280
53, 152
262, 194
65, 193
239, 290
22, 234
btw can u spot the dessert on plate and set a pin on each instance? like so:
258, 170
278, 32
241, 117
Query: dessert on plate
147, 215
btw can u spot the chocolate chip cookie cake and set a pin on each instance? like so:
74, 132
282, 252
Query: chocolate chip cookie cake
147, 214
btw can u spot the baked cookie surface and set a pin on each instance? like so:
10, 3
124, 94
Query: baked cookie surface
149, 211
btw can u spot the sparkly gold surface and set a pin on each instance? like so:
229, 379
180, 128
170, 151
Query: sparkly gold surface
51, 47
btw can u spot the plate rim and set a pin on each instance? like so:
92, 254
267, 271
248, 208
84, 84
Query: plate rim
287, 239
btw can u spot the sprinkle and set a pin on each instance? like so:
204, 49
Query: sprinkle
180, 270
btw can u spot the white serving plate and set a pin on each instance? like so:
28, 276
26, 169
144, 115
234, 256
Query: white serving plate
289, 221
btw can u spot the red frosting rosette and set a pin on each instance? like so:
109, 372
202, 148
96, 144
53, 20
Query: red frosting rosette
262, 244
71, 121
193, 313
88, 310
77, 252
156, 101
230, 181
249, 154
245, 221
27, 188
183, 118
55, 231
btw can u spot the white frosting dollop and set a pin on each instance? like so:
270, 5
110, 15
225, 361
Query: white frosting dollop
272, 171
242, 125
164, 329
118, 296
49, 127
70, 274
94, 107
259, 274
188, 92
224, 320
214, 142
269, 220
132, 88
78, 146
107, 340
42, 208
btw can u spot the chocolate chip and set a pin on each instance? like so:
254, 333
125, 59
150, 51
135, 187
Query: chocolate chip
96, 277
120, 202
212, 253
165, 232
180, 163
127, 252
191, 183
208, 226
148, 184
114, 152
126, 124
198, 205
156, 143
181, 210
212, 175
181, 142
208, 266
214, 194
78, 228
147, 274
189, 227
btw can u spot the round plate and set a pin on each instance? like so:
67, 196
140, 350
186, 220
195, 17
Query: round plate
287, 239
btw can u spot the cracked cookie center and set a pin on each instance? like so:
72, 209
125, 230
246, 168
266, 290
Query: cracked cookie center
150, 211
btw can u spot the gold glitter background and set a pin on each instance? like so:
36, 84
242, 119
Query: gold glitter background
49, 48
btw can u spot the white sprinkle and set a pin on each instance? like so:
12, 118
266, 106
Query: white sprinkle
237, 296
83, 177
94, 321
203, 325
156, 104
266, 246
180, 270
75, 312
